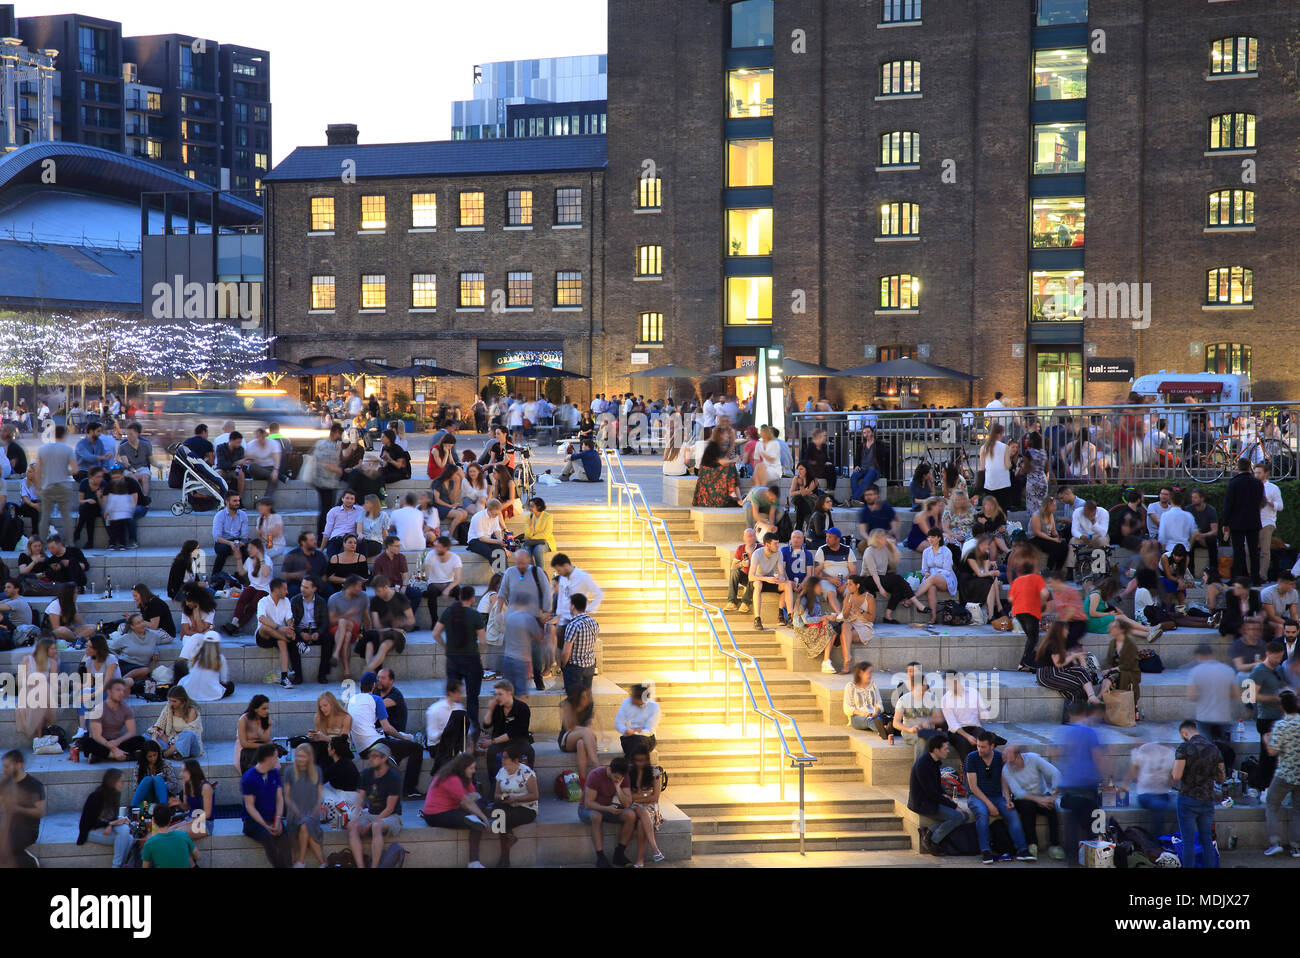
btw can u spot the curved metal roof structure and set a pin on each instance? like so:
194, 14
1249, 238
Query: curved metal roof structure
90, 168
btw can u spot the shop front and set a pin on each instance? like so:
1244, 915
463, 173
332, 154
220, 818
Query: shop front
497, 361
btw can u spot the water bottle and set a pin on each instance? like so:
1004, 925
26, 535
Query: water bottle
90, 587
108, 589
1240, 734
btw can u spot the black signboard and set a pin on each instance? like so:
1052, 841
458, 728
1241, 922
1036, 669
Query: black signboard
1102, 370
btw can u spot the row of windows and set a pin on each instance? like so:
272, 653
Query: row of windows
1225, 286
471, 292
472, 204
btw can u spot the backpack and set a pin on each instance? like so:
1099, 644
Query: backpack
58, 732
1149, 661
1254, 773
394, 856
341, 859
952, 612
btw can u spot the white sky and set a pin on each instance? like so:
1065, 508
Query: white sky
330, 64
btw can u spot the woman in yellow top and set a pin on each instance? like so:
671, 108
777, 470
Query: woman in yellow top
539, 531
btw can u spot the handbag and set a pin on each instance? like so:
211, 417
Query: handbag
1119, 708
495, 630
46, 745
307, 471
1002, 623
977, 616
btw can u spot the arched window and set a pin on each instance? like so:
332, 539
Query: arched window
900, 148
900, 77
1226, 209
900, 291
1234, 55
1230, 286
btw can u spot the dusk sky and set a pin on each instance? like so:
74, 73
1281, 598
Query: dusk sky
392, 68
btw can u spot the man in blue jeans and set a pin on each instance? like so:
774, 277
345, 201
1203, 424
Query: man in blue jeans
926, 797
1198, 764
990, 796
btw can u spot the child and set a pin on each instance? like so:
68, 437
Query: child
119, 507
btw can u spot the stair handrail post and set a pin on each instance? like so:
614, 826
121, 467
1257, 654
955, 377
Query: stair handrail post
762, 754
803, 818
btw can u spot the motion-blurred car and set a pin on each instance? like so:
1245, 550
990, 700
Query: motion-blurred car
170, 417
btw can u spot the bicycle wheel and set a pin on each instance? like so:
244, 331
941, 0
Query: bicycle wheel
1206, 462
1276, 454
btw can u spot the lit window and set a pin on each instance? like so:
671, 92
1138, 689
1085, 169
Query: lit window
568, 288
652, 329
900, 219
649, 260
900, 148
749, 92
649, 193
900, 11
1228, 358
322, 213
519, 208
519, 289
1232, 131
751, 23
372, 213
373, 292
568, 206
749, 300
1234, 55
1061, 74
471, 290
1060, 148
749, 162
1056, 222
471, 209
424, 210
749, 232
322, 292
1230, 286
900, 291
1227, 208
1056, 295
884, 354
899, 77
424, 290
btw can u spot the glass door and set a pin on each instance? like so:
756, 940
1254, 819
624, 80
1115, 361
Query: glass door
1060, 377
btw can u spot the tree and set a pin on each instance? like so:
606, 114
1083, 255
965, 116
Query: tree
32, 347
206, 352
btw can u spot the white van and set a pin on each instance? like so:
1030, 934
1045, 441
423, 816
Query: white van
1171, 390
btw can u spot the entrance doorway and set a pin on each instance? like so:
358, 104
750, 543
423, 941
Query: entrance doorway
1059, 376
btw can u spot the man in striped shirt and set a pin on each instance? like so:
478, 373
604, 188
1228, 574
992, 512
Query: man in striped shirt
578, 656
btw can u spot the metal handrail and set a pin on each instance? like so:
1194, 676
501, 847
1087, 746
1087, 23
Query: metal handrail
640, 513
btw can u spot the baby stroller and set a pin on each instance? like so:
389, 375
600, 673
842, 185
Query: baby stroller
202, 488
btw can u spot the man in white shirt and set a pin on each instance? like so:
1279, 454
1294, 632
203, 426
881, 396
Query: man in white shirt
437, 715
1268, 511
408, 524
729, 409
486, 535
354, 404
1157, 509
708, 417
275, 628
442, 569
1177, 525
1086, 530
370, 716
569, 579
264, 460
964, 712
637, 719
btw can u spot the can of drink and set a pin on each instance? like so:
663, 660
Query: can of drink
121, 812
74, 753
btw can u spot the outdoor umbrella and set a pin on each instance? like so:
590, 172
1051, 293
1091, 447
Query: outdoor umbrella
790, 369
273, 370
349, 368
667, 372
908, 369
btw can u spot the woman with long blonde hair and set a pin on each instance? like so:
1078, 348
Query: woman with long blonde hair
38, 670
302, 798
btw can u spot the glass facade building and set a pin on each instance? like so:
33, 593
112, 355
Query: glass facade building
498, 86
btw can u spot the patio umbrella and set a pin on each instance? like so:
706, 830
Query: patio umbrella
908, 369
273, 370
790, 369
667, 372
351, 370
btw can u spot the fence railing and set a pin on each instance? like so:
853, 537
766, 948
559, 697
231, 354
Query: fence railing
1117, 443
682, 591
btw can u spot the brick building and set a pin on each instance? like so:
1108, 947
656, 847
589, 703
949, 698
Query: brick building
879, 180
473, 255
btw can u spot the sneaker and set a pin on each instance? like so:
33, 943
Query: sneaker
302, 648
746, 608
1274, 849
1056, 853
286, 682
782, 618
1155, 633
1024, 855
827, 667
230, 628
299, 864
136, 545
657, 856
620, 860
1295, 852
730, 607
758, 624
1033, 849
987, 858
1006, 858
1214, 620
602, 861
476, 864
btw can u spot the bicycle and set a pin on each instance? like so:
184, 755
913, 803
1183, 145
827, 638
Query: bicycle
525, 479
1209, 461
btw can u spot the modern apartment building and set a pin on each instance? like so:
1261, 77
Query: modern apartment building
28, 89
479, 256
548, 80
870, 179
191, 104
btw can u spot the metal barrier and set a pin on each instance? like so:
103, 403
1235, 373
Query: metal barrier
632, 504
1118, 444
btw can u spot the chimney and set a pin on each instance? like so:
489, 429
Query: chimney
341, 134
